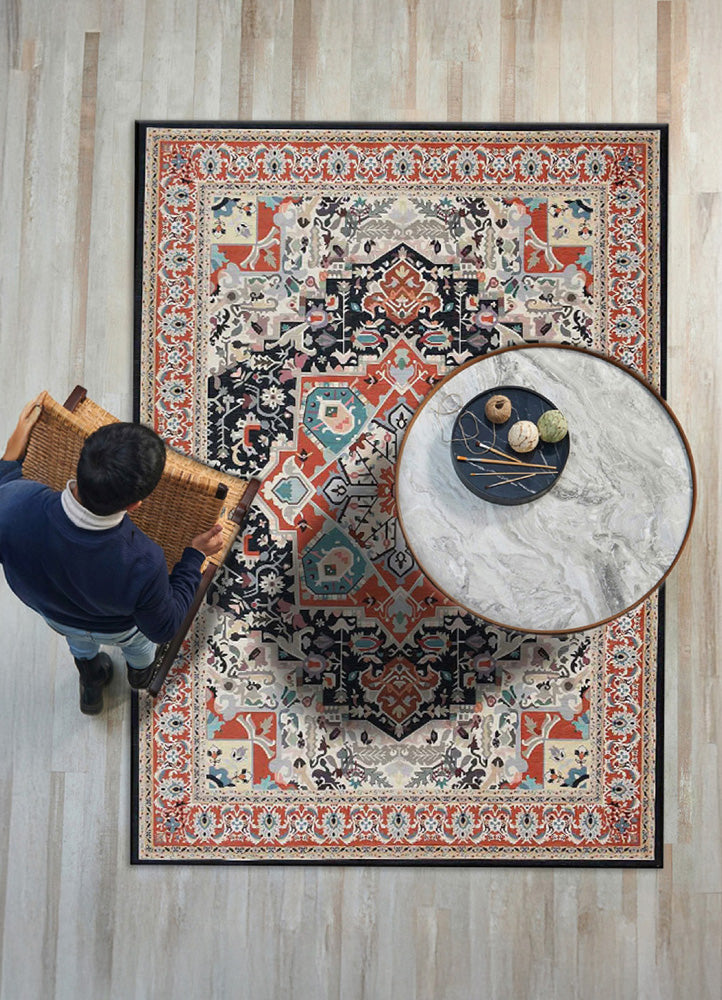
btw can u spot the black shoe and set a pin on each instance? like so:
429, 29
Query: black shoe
140, 679
95, 674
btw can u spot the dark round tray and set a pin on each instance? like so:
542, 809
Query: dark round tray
472, 426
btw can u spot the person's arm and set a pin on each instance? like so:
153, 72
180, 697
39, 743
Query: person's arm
11, 462
166, 600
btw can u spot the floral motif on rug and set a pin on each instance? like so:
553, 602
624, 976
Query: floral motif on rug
301, 291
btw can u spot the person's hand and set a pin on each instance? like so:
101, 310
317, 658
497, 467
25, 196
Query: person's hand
210, 541
18, 442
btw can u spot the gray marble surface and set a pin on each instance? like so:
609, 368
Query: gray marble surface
591, 548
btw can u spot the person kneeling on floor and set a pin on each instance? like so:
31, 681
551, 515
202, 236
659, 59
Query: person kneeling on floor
76, 559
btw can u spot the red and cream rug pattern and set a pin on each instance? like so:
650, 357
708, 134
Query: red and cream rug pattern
300, 290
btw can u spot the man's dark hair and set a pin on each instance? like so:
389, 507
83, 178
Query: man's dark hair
119, 465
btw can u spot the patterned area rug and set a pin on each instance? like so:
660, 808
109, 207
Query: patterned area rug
299, 292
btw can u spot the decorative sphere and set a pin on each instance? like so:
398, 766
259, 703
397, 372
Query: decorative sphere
498, 409
552, 426
523, 436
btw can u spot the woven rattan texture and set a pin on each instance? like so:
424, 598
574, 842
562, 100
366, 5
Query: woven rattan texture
184, 503
178, 509
57, 439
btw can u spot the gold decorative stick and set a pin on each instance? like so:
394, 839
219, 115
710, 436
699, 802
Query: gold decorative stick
542, 472
497, 452
508, 482
498, 461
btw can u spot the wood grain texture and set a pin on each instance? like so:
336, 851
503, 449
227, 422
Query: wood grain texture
75, 919
84, 204
507, 66
664, 59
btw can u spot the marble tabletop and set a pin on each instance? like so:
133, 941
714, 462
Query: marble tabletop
597, 543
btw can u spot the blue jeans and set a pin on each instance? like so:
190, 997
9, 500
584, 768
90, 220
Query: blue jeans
138, 650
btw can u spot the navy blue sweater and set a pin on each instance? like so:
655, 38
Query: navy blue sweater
104, 581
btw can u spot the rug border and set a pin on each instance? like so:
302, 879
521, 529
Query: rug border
141, 129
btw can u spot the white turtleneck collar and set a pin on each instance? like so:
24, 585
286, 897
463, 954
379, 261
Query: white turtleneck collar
83, 518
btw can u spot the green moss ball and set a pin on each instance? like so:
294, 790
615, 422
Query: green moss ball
552, 426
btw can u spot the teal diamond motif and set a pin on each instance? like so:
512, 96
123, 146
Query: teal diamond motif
334, 415
332, 565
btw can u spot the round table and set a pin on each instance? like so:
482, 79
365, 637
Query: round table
598, 543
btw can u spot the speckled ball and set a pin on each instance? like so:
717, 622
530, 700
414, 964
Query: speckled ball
523, 436
552, 426
498, 409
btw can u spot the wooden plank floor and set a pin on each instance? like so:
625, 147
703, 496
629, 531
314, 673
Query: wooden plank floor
75, 919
